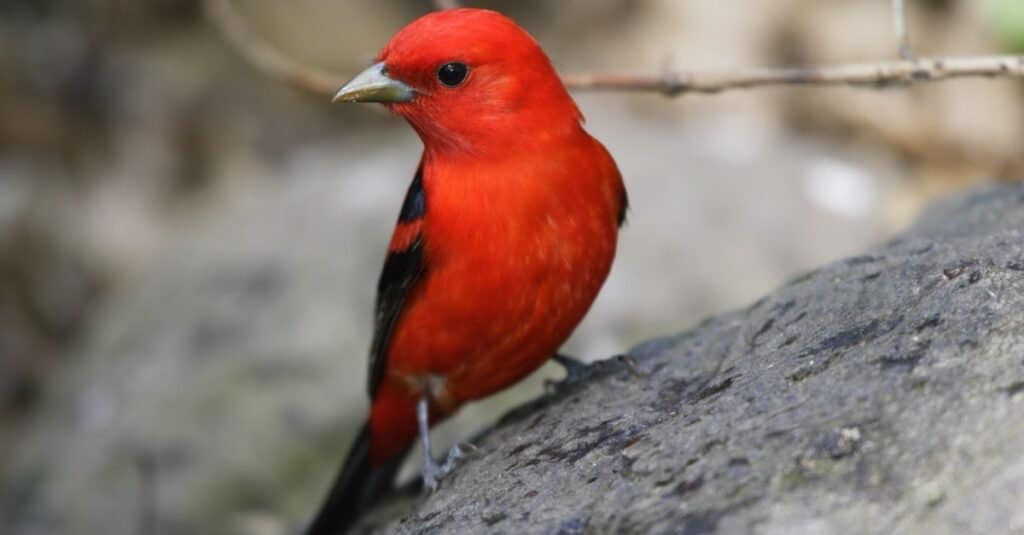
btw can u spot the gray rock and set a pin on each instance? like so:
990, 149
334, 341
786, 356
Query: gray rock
880, 394
217, 389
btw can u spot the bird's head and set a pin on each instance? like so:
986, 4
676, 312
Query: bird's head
468, 80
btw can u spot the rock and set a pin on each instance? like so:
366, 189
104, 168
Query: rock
216, 389
879, 394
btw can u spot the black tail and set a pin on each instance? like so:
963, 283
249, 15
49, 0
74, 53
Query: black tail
357, 487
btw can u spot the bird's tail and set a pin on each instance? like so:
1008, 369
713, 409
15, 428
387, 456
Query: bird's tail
356, 488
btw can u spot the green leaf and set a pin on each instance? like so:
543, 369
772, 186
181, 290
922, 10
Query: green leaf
1006, 19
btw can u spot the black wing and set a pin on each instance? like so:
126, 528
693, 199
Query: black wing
623, 207
402, 270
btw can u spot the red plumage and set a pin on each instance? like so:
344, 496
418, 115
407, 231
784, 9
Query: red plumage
508, 231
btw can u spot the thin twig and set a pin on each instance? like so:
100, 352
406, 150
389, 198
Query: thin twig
872, 74
899, 20
446, 4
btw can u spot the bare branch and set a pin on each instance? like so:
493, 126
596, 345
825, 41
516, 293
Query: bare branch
872, 75
899, 19
446, 4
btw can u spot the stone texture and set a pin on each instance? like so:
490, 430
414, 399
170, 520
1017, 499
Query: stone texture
217, 388
880, 394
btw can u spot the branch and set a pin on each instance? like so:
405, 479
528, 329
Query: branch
872, 75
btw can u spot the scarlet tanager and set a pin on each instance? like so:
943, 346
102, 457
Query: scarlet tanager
505, 237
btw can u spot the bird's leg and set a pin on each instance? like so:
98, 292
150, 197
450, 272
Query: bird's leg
433, 472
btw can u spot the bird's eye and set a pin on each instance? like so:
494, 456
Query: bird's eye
452, 74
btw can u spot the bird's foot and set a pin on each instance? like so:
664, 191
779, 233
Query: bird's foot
575, 370
433, 472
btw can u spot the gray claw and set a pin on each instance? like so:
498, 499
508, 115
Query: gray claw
434, 473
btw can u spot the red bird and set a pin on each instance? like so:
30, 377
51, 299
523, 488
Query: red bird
506, 235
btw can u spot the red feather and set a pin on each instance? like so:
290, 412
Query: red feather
517, 222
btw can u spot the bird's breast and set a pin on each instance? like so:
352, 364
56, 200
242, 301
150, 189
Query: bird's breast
512, 265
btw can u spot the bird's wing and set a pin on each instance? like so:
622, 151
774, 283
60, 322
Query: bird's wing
403, 267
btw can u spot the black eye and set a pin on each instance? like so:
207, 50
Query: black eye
452, 74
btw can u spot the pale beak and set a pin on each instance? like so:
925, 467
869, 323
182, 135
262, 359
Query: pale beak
374, 85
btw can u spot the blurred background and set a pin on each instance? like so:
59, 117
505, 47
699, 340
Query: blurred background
189, 248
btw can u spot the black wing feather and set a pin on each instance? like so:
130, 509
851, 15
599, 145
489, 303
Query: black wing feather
402, 270
415, 205
623, 207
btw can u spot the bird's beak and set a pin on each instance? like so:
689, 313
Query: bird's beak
374, 85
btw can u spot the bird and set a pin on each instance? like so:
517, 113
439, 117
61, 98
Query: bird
505, 237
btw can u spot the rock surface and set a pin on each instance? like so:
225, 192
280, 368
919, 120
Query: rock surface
880, 394
215, 394
219, 387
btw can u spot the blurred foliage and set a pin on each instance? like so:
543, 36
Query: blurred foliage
1007, 20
